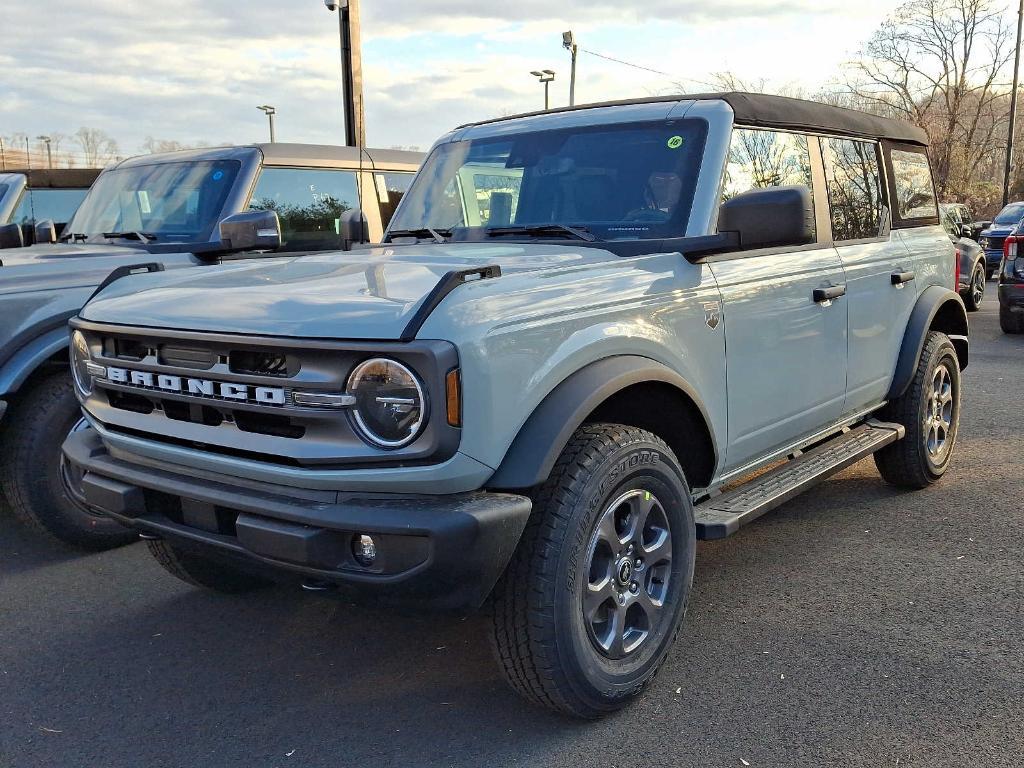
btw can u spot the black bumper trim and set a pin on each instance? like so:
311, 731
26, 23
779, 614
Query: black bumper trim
444, 552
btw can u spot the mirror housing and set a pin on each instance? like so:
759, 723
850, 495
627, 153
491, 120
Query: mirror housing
769, 218
352, 229
251, 231
11, 236
45, 232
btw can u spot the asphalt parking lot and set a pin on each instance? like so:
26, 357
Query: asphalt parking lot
856, 625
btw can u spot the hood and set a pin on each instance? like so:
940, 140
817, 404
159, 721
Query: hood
363, 294
56, 266
998, 231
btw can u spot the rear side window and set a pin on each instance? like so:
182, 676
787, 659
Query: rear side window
915, 194
854, 188
309, 202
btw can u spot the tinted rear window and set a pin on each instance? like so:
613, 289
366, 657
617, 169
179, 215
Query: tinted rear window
915, 193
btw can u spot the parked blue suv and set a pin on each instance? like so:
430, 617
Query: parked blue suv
992, 239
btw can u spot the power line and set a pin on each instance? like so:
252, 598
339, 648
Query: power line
626, 63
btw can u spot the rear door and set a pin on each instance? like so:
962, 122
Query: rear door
785, 351
881, 274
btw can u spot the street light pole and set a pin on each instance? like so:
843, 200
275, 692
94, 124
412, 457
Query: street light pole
547, 76
49, 150
1013, 108
569, 43
351, 69
269, 111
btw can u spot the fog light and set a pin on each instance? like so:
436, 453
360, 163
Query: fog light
364, 550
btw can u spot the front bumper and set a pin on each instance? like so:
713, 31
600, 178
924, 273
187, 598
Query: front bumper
994, 258
443, 552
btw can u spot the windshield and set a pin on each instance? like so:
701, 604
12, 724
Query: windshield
58, 205
176, 202
1011, 214
632, 181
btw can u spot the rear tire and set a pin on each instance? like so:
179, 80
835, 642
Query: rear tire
1011, 322
593, 598
199, 571
31, 467
975, 292
930, 412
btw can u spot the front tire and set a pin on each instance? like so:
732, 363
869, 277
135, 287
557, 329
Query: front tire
200, 571
31, 467
930, 412
588, 608
975, 292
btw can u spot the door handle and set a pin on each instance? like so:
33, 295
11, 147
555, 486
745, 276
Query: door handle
899, 278
827, 295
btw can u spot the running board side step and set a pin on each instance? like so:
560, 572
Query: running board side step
723, 515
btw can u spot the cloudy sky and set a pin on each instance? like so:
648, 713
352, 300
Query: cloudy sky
194, 70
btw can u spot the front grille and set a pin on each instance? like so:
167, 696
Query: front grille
995, 244
233, 395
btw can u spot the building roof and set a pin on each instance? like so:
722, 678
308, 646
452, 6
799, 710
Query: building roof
781, 112
59, 178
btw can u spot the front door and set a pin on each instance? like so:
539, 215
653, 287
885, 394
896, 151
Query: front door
785, 348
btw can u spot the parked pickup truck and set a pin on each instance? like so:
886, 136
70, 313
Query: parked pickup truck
157, 212
586, 335
31, 196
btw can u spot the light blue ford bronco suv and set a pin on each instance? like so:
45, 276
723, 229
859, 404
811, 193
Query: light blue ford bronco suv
586, 335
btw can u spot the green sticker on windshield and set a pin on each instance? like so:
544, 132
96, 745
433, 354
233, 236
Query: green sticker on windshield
675, 142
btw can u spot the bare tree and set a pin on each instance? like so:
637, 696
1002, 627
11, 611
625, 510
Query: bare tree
938, 63
98, 147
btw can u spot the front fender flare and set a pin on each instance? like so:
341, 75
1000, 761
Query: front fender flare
547, 431
28, 358
933, 301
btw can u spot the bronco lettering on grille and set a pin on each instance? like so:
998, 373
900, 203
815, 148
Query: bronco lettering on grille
204, 388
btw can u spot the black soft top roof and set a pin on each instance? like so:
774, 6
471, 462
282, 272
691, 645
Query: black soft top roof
763, 110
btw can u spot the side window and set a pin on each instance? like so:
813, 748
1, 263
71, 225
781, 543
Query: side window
762, 159
391, 188
309, 202
854, 188
915, 194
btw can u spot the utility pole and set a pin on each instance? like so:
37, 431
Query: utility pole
1013, 108
49, 150
547, 76
269, 111
28, 153
351, 69
569, 43
3, 157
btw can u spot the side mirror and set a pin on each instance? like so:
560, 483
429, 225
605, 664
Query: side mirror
251, 231
46, 232
768, 218
352, 229
11, 236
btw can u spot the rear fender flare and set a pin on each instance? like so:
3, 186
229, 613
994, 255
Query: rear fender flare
934, 303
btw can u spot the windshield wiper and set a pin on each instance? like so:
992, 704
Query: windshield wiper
437, 235
541, 230
74, 237
143, 237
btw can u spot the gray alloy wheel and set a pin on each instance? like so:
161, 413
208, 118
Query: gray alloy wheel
629, 567
939, 414
976, 291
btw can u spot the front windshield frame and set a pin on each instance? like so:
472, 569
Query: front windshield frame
206, 184
1016, 213
669, 152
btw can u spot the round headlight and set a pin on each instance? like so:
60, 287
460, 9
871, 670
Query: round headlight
80, 359
390, 408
